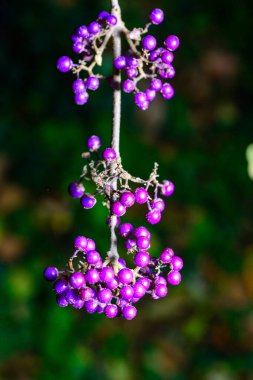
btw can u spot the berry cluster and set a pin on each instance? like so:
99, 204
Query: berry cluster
89, 42
111, 287
149, 62
119, 200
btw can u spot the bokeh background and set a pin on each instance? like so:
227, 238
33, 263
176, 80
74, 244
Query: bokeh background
203, 330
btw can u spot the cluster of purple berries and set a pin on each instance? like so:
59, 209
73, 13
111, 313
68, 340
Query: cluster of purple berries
86, 42
123, 199
141, 196
77, 189
112, 289
151, 62
108, 285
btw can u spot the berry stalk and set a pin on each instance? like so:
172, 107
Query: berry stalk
116, 37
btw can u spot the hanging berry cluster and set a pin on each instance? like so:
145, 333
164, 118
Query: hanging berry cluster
143, 61
106, 283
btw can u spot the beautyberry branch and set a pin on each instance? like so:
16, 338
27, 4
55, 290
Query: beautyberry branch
104, 283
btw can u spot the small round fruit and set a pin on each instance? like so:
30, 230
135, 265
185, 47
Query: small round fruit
50, 273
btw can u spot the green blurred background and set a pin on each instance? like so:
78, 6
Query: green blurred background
204, 328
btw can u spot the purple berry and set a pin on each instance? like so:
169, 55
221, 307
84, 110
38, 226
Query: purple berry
143, 243
167, 188
167, 57
87, 294
167, 91
113, 284
129, 312
125, 276
122, 303
92, 83
154, 216
168, 73
156, 16
142, 231
78, 86
109, 154
140, 98
100, 309
128, 86
61, 286
142, 259
78, 47
177, 263
126, 292
131, 72
150, 94
111, 20
144, 106
149, 42
88, 201
160, 280
61, 300
91, 246
77, 280
174, 278
141, 195
127, 199
139, 290
91, 306
125, 230
78, 304
107, 274
81, 98
76, 189
172, 42
156, 84
132, 62
71, 296
111, 311
158, 204
80, 243
154, 55
93, 257
75, 38
167, 255
135, 299
145, 282
92, 276
64, 64
94, 143
50, 273
103, 15
120, 62
94, 27
118, 209
130, 244
161, 290
104, 295
83, 31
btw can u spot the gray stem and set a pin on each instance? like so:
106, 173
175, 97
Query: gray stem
116, 37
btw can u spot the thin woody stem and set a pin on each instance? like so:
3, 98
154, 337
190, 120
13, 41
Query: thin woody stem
116, 37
